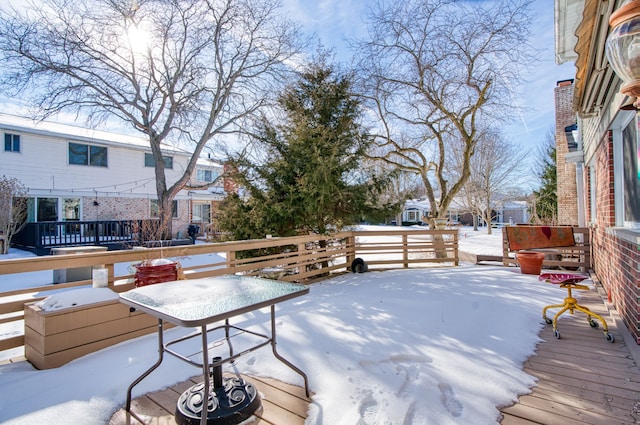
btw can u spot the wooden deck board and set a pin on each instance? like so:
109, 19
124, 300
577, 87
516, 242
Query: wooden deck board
281, 404
582, 378
288, 397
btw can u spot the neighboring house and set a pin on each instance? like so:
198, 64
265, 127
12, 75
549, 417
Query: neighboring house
606, 148
79, 174
415, 210
513, 212
506, 212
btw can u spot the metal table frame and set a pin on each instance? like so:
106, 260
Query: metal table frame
132, 299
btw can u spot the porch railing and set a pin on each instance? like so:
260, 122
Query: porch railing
294, 259
42, 236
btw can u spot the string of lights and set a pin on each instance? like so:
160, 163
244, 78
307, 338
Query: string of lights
118, 188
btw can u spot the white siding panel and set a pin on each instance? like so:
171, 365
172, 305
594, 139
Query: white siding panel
43, 165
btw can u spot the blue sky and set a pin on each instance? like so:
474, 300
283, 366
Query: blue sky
336, 20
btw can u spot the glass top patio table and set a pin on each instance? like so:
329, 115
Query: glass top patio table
196, 302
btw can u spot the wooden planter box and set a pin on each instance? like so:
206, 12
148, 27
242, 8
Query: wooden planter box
53, 338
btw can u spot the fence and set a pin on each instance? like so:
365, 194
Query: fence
293, 259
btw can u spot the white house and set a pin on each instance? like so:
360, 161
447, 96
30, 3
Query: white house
74, 173
506, 211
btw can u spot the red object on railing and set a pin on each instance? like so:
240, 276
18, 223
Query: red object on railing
150, 274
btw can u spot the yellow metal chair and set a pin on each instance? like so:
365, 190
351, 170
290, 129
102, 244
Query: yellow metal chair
569, 282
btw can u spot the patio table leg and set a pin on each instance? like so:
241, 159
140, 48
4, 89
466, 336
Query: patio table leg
152, 368
282, 359
204, 414
227, 337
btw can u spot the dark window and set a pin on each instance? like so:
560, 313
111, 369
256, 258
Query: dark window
631, 173
78, 154
11, 142
47, 209
98, 156
202, 212
154, 210
206, 175
150, 162
81, 154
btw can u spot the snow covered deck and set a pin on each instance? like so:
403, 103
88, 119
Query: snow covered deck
582, 379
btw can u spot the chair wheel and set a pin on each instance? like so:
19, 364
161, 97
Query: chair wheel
593, 324
609, 337
549, 321
557, 334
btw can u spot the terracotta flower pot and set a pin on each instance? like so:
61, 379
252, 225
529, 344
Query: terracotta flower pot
530, 262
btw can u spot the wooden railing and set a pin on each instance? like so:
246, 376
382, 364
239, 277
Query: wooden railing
293, 259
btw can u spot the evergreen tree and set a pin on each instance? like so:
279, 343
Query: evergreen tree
312, 178
546, 198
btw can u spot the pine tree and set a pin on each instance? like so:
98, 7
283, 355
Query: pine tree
312, 178
546, 198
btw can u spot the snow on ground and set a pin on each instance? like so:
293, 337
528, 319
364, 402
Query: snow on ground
480, 242
407, 347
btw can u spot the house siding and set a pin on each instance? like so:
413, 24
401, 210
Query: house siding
513, 216
121, 191
616, 260
43, 166
599, 104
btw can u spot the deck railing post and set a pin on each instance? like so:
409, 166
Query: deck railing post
405, 251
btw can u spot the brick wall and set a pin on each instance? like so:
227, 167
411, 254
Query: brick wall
115, 208
566, 172
118, 208
616, 262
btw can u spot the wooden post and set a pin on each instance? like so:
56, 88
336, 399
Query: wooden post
456, 251
110, 274
301, 252
405, 251
231, 261
350, 242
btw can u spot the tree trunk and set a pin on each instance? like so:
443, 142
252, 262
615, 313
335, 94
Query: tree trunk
488, 211
165, 214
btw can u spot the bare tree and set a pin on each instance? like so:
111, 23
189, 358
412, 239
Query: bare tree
495, 170
433, 71
13, 209
179, 71
402, 185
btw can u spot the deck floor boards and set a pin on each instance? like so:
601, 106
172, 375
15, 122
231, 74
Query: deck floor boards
582, 379
282, 404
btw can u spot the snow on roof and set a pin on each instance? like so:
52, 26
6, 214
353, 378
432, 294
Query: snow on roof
456, 204
208, 162
514, 205
75, 132
419, 204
